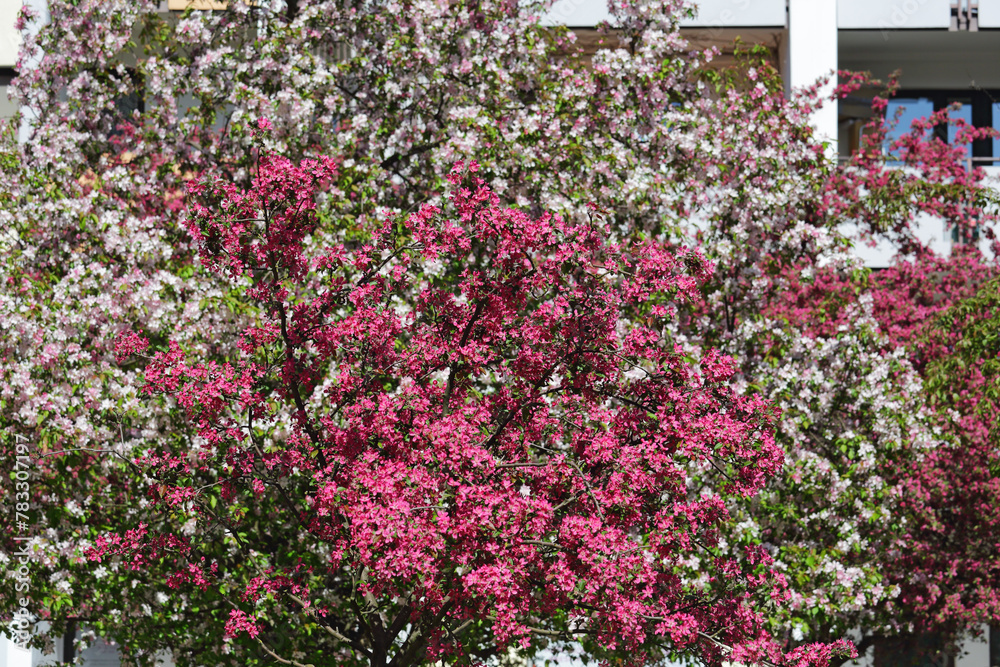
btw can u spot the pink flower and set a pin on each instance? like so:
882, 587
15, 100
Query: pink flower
239, 622
128, 343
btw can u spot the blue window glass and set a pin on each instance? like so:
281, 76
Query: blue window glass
965, 113
996, 148
912, 109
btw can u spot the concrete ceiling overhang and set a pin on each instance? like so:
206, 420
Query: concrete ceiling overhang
935, 59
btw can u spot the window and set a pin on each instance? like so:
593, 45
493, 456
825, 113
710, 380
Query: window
7, 108
980, 108
926, 650
903, 111
127, 105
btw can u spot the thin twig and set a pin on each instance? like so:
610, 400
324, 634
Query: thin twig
280, 659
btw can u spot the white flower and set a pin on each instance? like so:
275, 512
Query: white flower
73, 508
190, 526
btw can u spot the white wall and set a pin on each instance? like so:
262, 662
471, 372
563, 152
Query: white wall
812, 54
710, 13
575, 13
989, 13
929, 230
12, 655
975, 651
10, 42
738, 14
10, 39
896, 14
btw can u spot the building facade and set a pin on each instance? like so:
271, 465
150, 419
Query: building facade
946, 51
10, 42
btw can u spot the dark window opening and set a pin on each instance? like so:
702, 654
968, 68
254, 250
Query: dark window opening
925, 650
136, 99
965, 234
127, 105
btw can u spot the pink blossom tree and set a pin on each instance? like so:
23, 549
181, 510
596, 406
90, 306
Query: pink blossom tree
473, 430
943, 310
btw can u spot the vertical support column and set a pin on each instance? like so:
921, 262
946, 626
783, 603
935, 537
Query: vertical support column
41, 8
12, 655
812, 54
975, 651
10, 38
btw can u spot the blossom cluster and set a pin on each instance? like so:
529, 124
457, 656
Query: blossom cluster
488, 453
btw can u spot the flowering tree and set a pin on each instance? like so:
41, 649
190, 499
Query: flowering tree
792, 303
670, 152
501, 444
943, 311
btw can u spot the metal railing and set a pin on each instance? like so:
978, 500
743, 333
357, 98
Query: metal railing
970, 162
965, 15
